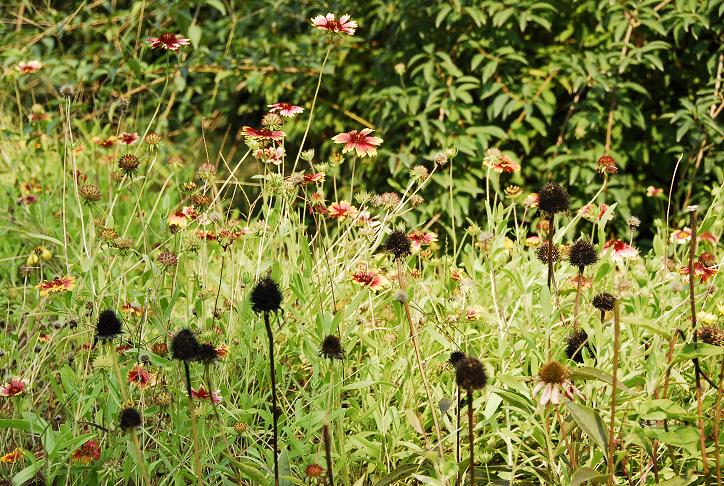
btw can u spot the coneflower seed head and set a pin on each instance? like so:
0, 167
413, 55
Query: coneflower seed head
266, 296
332, 348
470, 374
582, 254
130, 419
109, 325
603, 301
575, 344
184, 346
553, 198
398, 244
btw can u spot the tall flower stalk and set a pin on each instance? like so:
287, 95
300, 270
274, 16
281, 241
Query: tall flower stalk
470, 376
614, 386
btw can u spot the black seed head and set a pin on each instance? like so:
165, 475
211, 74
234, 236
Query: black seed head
130, 419
603, 301
109, 326
184, 346
332, 348
207, 353
398, 244
455, 357
470, 374
552, 199
266, 296
542, 252
711, 335
575, 344
582, 254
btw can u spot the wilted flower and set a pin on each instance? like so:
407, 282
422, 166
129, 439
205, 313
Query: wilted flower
130, 419
89, 452
553, 198
168, 41
421, 238
262, 134
140, 377
285, 109
329, 23
633, 223
499, 162
14, 387
167, 258
712, 335
266, 296
606, 165
582, 254
398, 244
513, 191
29, 67
128, 138
90, 193
58, 284
553, 378
704, 267
314, 471
652, 191
152, 139
12, 456
203, 394
470, 374
332, 348
359, 141
128, 163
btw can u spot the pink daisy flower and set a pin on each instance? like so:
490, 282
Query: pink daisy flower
14, 387
681, 236
472, 314
499, 162
270, 155
168, 41
285, 109
652, 191
359, 141
553, 381
203, 394
140, 377
317, 177
329, 23
620, 250
29, 67
420, 238
341, 210
263, 134
128, 138
369, 278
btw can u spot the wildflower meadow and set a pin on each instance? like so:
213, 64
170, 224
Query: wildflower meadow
361, 243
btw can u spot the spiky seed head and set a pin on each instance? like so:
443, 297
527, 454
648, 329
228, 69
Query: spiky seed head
553, 372
130, 419
167, 259
90, 193
575, 344
711, 335
332, 348
184, 345
109, 326
455, 357
553, 198
542, 252
470, 374
207, 353
582, 254
603, 301
266, 296
67, 90
398, 244
128, 163
152, 139
633, 223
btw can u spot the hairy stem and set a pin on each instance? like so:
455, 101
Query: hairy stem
328, 454
275, 438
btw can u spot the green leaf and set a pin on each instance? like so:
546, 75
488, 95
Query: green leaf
586, 474
591, 423
195, 35
400, 473
696, 350
588, 373
661, 409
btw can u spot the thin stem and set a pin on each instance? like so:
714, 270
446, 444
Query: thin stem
328, 453
275, 441
139, 453
614, 385
697, 370
717, 420
578, 299
550, 251
471, 437
457, 430
117, 369
194, 432
571, 456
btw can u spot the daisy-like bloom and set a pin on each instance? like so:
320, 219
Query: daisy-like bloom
128, 138
263, 134
532, 200
359, 141
130, 308
606, 165
222, 350
472, 314
681, 236
457, 274
369, 278
314, 471
341, 210
202, 394
420, 238
704, 267
499, 162
168, 41
270, 155
89, 452
652, 191
14, 387
330, 23
620, 250
585, 282
317, 177
29, 67
285, 109
206, 235
106, 142
12, 456
58, 284
139, 376
554, 380
707, 237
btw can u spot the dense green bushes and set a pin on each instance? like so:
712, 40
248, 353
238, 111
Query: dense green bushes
551, 83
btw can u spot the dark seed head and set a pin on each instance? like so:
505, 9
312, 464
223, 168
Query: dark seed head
266, 296
575, 344
711, 335
207, 353
582, 254
455, 357
603, 301
332, 348
553, 373
470, 374
552, 199
542, 252
108, 326
128, 163
398, 244
184, 346
130, 419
